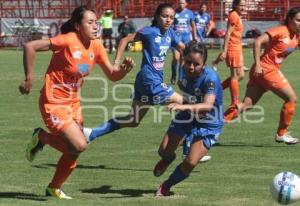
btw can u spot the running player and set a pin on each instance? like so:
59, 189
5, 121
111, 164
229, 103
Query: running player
203, 119
75, 52
184, 26
233, 52
202, 21
265, 74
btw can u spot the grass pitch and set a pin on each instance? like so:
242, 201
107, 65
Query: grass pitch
117, 168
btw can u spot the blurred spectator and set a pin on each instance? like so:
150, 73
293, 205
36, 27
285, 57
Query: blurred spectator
125, 28
105, 22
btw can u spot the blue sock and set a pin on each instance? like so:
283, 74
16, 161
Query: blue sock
174, 69
181, 73
176, 177
105, 128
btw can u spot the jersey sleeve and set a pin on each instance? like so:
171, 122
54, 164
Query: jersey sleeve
59, 42
101, 55
275, 32
210, 85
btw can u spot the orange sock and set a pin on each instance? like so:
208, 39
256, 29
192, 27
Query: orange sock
54, 141
64, 168
231, 113
226, 83
286, 115
234, 91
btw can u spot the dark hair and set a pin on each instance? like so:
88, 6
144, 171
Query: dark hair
291, 14
196, 47
158, 12
235, 4
76, 18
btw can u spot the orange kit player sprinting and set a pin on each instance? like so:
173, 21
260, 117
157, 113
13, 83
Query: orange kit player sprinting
75, 52
233, 51
265, 74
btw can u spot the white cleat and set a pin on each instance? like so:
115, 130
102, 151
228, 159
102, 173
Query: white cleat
246, 69
87, 132
286, 138
205, 158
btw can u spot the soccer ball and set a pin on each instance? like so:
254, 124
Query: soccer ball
285, 188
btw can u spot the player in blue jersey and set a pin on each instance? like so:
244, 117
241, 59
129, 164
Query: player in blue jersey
203, 119
202, 21
184, 26
149, 88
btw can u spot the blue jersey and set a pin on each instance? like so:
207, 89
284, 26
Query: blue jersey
149, 86
155, 47
208, 83
182, 24
202, 21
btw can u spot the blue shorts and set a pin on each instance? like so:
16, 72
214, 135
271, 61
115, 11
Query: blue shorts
183, 126
152, 94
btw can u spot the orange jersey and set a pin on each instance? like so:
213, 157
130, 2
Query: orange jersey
280, 46
235, 39
70, 63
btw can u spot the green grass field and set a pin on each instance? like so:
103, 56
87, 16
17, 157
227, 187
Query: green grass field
117, 168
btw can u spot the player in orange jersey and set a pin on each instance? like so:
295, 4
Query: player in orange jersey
265, 74
75, 52
233, 52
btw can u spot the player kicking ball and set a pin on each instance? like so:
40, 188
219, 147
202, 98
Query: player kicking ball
202, 118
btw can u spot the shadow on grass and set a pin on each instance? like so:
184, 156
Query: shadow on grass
106, 189
242, 144
103, 167
22, 196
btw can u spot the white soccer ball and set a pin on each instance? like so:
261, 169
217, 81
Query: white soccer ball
285, 188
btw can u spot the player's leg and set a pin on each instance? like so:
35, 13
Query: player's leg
252, 96
287, 113
175, 65
76, 144
182, 171
166, 151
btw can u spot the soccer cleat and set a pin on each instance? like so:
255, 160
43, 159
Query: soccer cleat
162, 191
160, 167
173, 80
246, 69
286, 138
56, 192
205, 158
215, 67
87, 132
34, 146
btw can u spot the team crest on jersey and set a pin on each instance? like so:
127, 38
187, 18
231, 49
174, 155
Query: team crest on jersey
168, 39
157, 39
92, 56
197, 92
77, 54
286, 40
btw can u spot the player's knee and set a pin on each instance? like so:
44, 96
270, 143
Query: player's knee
79, 147
166, 157
290, 107
240, 76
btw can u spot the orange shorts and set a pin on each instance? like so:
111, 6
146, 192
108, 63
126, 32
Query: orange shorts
58, 117
234, 59
271, 80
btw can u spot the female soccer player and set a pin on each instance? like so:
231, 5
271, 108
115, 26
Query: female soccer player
233, 52
185, 28
203, 119
265, 74
149, 88
75, 53
202, 21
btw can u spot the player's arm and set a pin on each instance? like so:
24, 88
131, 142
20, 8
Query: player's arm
123, 44
258, 45
194, 31
206, 106
230, 29
30, 49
